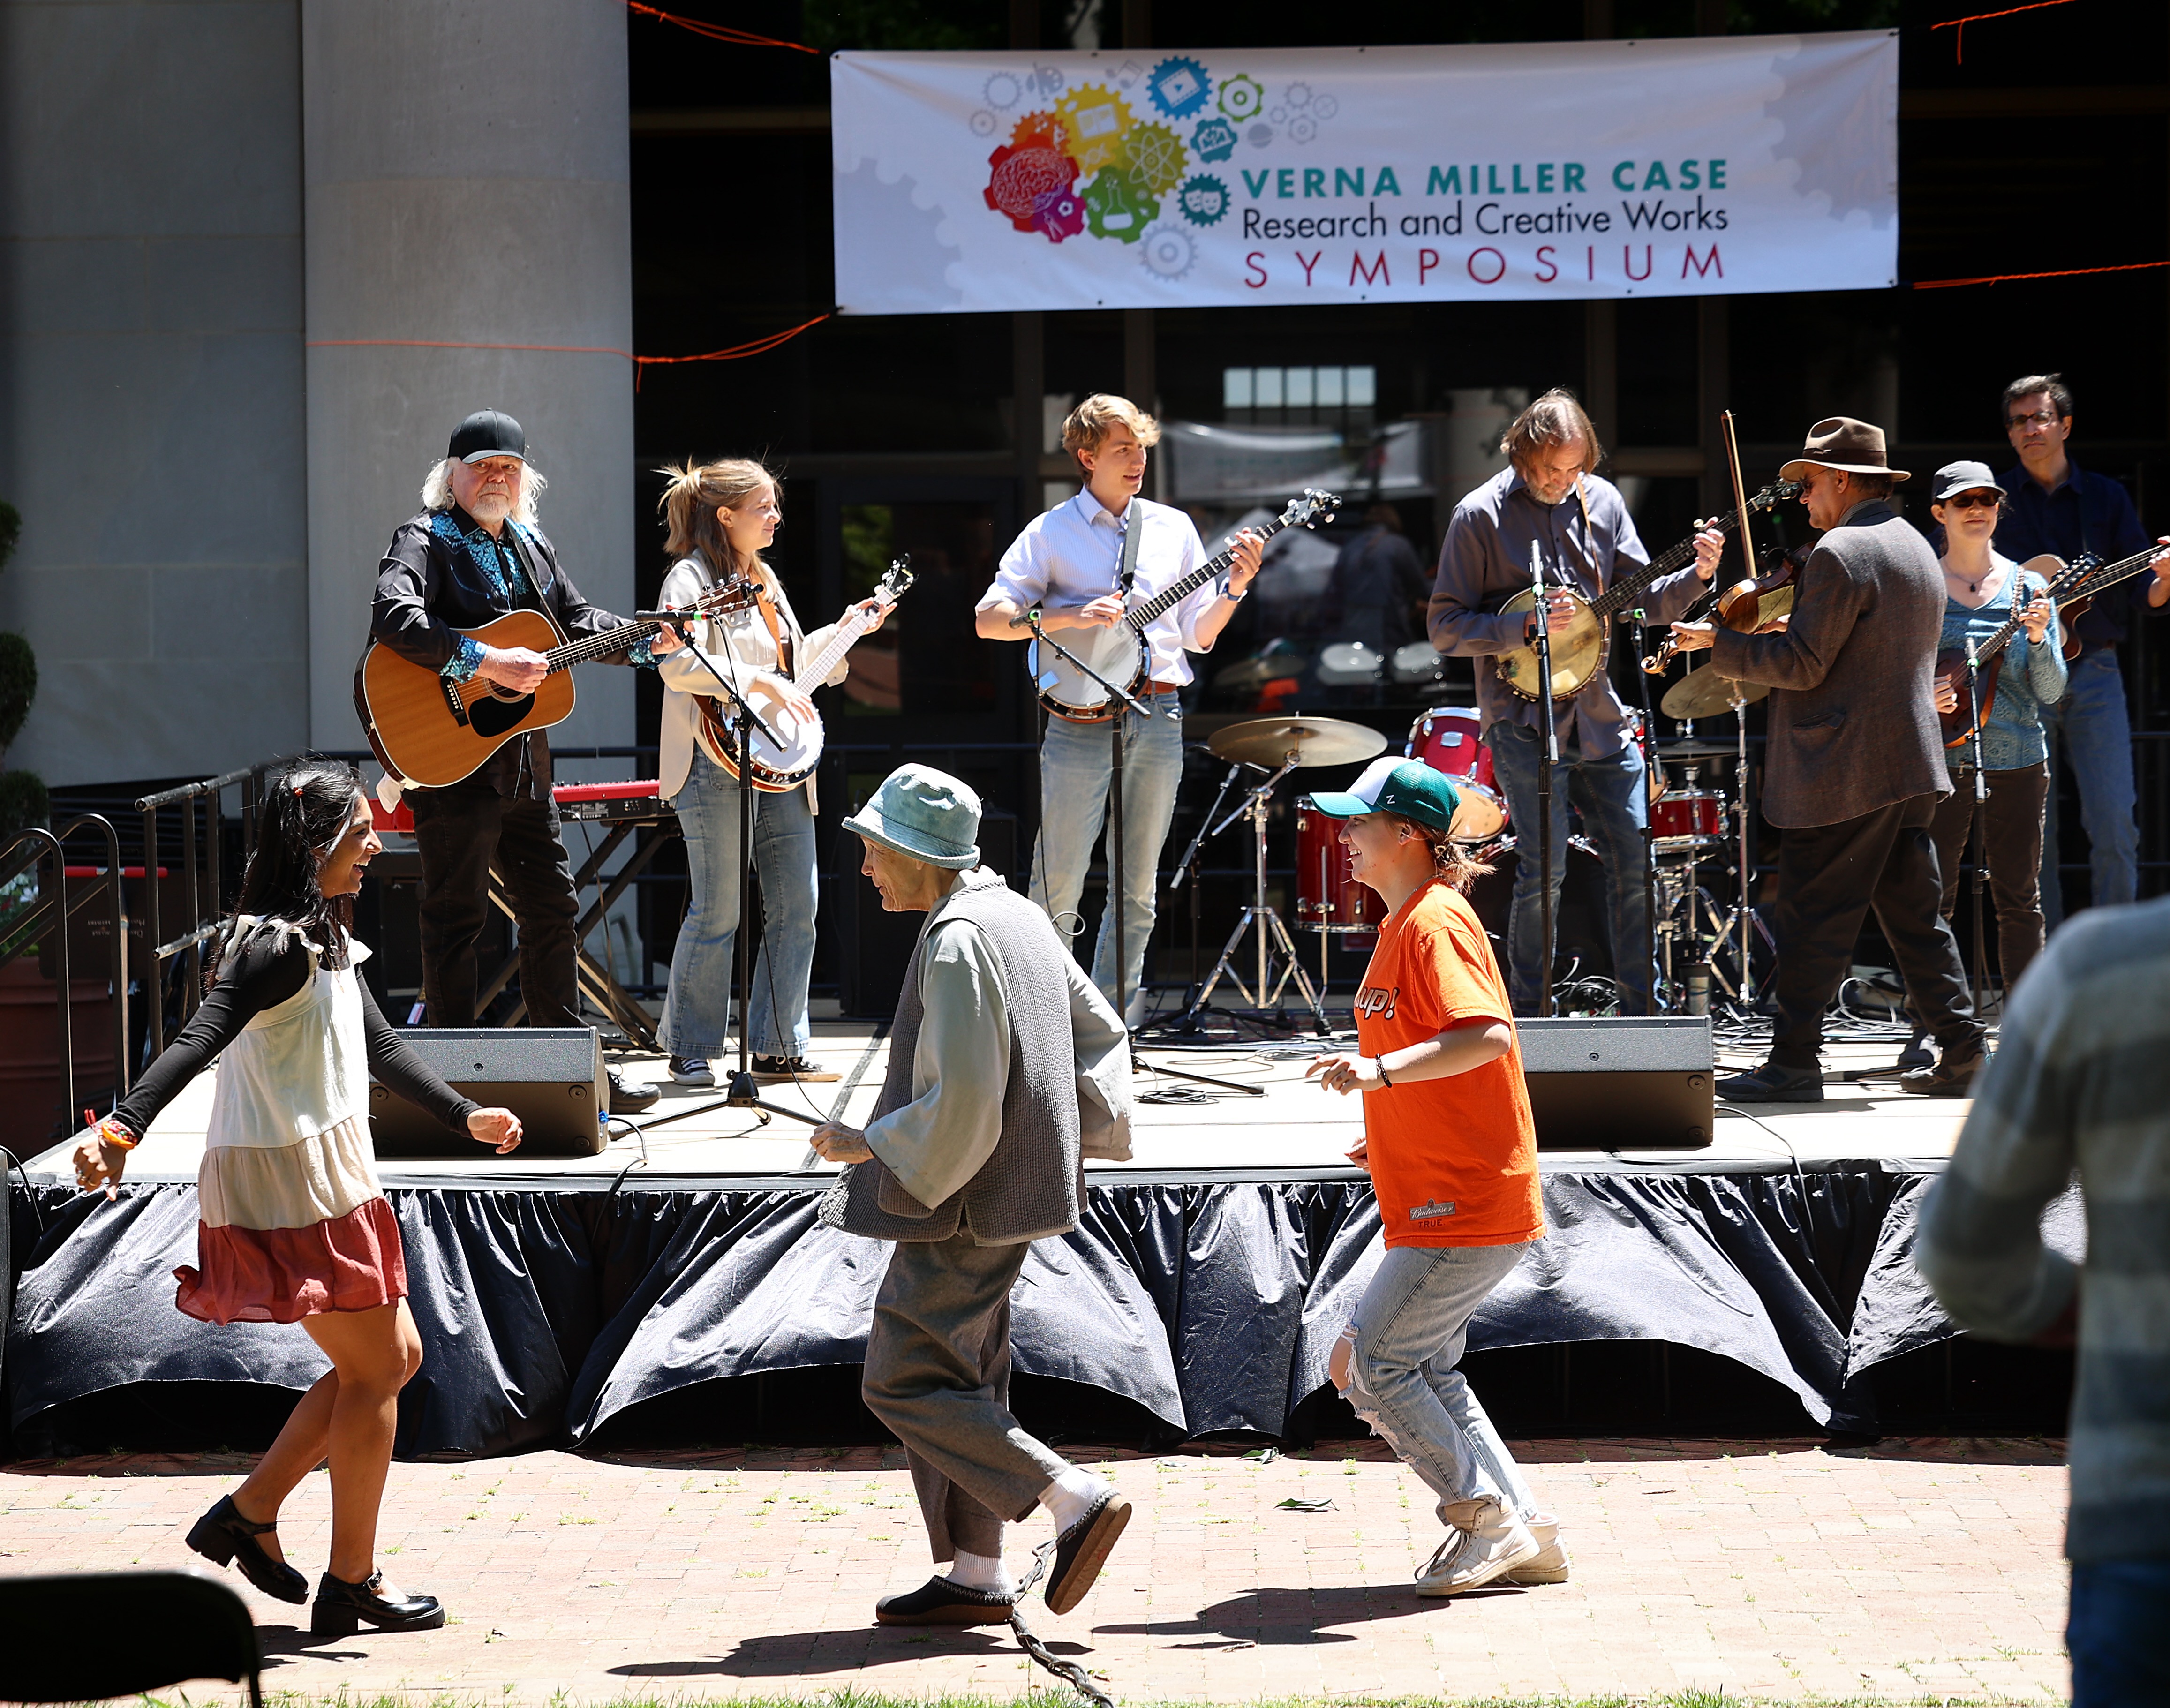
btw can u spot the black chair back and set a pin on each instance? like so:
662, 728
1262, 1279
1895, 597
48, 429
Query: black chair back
84, 1637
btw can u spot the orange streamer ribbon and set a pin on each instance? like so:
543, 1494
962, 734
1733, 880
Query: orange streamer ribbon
2008, 278
732, 353
718, 32
1958, 25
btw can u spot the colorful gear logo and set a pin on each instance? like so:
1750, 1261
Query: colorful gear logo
1026, 168
1118, 205
1155, 153
1059, 214
1178, 87
1038, 130
1202, 200
1213, 140
1241, 97
1094, 122
1168, 252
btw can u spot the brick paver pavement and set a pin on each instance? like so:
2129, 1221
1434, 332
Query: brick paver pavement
1785, 1570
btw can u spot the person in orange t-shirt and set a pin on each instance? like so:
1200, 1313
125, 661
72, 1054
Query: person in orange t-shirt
1452, 1153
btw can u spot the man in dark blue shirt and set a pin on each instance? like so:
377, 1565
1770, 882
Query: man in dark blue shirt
2059, 508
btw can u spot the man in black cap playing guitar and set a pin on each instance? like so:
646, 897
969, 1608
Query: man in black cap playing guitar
473, 554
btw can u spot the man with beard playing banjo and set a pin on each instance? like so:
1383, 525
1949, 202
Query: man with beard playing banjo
1078, 569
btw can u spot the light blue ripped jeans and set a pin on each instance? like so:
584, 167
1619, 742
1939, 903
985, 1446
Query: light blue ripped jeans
1402, 1350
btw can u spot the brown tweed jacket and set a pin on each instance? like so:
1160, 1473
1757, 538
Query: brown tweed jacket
1851, 724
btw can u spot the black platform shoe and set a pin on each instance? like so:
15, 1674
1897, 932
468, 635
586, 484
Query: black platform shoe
342, 1606
223, 1537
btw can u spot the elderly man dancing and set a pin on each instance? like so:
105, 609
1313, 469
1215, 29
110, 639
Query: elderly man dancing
1006, 1067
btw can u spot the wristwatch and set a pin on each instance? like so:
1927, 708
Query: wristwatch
1229, 593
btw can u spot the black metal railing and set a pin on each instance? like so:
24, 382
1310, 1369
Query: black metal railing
48, 919
201, 809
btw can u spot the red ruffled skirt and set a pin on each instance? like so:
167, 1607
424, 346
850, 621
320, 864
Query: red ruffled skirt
290, 1231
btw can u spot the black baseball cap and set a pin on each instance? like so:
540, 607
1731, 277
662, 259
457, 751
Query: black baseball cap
488, 433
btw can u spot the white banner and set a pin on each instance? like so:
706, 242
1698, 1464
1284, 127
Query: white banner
979, 182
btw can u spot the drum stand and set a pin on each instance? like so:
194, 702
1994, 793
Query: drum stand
1744, 907
1273, 933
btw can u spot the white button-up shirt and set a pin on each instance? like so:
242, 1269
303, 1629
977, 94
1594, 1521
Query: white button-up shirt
1073, 554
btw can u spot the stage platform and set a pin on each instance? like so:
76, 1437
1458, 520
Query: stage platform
1204, 1287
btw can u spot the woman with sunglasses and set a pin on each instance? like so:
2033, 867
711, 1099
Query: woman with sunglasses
1982, 589
292, 1224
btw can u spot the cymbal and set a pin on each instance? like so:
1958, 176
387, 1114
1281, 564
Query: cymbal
1268, 741
1694, 747
1704, 693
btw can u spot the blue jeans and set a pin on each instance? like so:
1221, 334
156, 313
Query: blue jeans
2118, 1639
2099, 747
1609, 794
696, 1014
1408, 1335
1074, 766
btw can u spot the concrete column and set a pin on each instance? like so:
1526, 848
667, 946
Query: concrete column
466, 173
151, 406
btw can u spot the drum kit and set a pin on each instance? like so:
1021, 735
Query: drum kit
1688, 821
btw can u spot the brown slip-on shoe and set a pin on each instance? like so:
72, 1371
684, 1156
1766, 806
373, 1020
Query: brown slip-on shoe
1083, 1550
939, 1602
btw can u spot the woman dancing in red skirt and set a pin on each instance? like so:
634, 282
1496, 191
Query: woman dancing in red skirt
294, 1226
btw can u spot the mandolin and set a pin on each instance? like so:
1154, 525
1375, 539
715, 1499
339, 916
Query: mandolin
777, 770
429, 730
1578, 650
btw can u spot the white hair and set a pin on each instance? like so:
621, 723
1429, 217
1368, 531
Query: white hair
437, 490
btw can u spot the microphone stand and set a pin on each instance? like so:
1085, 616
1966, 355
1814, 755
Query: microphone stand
1977, 828
1116, 873
1547, 757
1649, 830
743, 1093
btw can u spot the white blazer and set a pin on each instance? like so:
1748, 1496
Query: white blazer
740, 639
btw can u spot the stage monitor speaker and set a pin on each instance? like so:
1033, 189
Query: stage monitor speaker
552, 1077
1620, 1084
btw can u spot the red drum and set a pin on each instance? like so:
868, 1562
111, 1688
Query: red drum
1451, 739
1327, 898
1687, 818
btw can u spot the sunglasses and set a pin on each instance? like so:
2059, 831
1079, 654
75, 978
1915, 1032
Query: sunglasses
1972, 501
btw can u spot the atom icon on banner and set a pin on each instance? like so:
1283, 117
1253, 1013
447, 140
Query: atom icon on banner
1168, 252
1155, 153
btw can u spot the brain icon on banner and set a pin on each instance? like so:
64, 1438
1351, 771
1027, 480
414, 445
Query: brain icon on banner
1098, 164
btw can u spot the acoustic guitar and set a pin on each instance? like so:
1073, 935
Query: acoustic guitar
428, 729
777, 770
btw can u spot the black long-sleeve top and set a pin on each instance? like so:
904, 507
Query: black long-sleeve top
270, 966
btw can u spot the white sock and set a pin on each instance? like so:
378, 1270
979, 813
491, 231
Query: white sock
1070, 1497
979, 1571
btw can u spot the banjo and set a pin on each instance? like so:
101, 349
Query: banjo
1120, 651
1578, 650
777, 770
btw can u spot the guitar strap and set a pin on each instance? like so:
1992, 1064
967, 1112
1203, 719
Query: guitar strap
1127, 570
777, 632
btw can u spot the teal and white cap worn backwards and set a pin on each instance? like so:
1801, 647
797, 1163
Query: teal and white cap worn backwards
1408, 786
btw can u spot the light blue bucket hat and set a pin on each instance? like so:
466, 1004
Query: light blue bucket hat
925, 814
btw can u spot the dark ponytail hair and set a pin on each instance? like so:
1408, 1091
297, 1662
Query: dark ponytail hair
305, 809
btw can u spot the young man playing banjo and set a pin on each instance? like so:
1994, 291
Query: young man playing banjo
1080, 568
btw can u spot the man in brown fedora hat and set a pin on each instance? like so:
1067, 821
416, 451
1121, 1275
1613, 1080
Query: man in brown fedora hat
1854, 766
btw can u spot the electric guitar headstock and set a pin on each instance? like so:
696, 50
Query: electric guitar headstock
895, 581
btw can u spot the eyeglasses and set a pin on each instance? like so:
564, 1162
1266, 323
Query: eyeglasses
1974, 501
2040, 418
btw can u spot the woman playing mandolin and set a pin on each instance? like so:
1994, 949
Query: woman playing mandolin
1982, 591
721, 517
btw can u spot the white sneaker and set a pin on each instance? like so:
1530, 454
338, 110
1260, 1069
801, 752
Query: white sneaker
1550, 1566
1469, 1558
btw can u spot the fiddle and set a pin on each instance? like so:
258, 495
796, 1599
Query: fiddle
1740, 605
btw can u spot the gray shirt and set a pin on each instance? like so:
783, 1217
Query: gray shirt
2080, 1081
1587, 542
